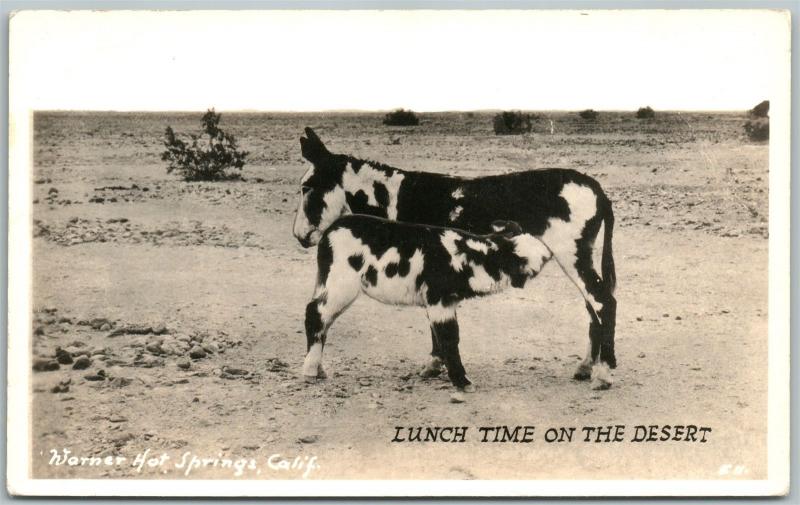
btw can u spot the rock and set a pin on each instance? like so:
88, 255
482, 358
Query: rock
45, 365
123, 439
364, 381
184, 364
63, 357
148, 361
277, 365
457, 398
76, 351
170, 349
77, 343
121, 382
308, 439
38, 331
211, 347
117, 419
197, 352
154, 347
105, 327
133, 329
159, 329
234, 371
99, 322
82, 363
60, 388
640, 318
641, 355
99, 376
678, 318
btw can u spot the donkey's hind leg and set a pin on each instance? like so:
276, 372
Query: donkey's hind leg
329, 301
434, 366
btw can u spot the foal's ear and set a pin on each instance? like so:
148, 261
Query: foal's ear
312, 147
507, 229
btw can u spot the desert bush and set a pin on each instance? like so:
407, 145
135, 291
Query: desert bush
589, 115
511, 122
760, 110
208, 157
401, 117
645, 113
757, 129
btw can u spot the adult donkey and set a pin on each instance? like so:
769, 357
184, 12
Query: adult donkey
563, 208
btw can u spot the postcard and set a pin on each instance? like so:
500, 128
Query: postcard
399, 253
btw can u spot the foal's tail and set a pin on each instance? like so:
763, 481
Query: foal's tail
607, 261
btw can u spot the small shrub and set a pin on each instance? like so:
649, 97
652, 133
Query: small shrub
645, 113
209, 155
512, 123
589, 115
401, 117
757, 129
760, 110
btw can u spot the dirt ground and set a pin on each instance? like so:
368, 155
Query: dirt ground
135, 269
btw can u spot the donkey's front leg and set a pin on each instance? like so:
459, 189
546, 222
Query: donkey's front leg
445, 328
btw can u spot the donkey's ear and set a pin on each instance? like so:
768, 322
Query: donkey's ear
312, 147
507, 229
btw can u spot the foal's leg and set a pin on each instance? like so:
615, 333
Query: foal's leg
434, 366
445, 328
329, 301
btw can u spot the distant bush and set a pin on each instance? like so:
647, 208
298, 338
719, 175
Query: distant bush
589, 114
512, 123
208, 157
757, 129
760, 110
401, 117
645, 113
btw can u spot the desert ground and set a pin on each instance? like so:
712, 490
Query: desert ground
134, 269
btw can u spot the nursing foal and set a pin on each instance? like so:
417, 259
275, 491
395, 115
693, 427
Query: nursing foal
411, 264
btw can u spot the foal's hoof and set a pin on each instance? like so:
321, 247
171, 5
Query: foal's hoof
582, 374
469, 388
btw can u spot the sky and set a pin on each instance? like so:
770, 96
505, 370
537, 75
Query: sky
378, 60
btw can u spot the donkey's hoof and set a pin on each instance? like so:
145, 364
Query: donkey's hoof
582, 374
469, 388
601, 377
311, 379
600, 385
429, 372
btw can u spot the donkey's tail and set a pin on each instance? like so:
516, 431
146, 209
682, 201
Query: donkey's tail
607, 261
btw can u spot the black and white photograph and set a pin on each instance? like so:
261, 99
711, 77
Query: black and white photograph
399, 253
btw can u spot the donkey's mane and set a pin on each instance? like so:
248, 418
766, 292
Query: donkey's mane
387, 169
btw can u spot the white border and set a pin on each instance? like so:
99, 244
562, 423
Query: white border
22, 102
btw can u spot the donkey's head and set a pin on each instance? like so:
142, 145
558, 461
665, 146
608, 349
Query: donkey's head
322, 197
